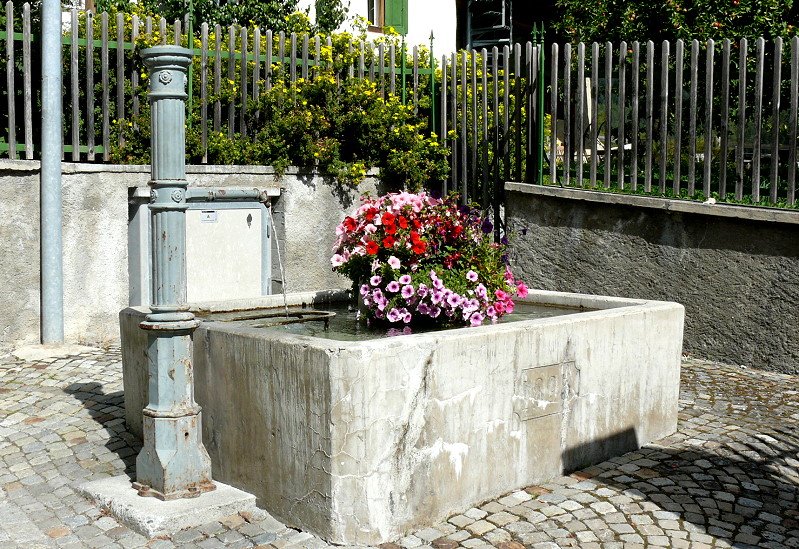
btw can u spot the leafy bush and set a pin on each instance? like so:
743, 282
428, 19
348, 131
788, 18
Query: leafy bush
342, 126
616, 20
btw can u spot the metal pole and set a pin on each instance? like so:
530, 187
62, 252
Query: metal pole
52, 286
402, 69
541, 73
173, 462
190, 45
432, 87
534, 78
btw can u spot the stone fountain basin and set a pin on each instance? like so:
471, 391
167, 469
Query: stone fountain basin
361, 442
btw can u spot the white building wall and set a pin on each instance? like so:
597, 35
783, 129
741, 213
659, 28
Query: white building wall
424, 17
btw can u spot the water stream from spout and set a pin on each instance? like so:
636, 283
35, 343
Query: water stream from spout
279, 260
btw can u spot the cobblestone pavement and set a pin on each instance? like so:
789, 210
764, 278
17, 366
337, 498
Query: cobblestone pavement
728, 477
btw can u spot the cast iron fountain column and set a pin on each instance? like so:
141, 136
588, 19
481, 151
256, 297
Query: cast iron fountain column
173, 462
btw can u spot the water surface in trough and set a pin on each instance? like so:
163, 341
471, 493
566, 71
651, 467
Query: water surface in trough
344, 326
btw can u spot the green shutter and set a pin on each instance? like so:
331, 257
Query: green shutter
397, 15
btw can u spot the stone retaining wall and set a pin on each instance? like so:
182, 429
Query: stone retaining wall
735, 269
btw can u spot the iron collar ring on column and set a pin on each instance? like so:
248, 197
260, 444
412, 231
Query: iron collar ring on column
163, 62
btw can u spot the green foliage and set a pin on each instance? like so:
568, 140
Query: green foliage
18, 5
270, 14
616, 20
341, 126
330, 14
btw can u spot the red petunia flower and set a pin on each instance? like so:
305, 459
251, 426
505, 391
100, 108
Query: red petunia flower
387, 218
390, 229
403, 222
419, 247
350, 224
388, 242
372, 247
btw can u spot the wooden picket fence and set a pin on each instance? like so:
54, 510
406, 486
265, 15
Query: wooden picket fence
677, 119
674, 119
490, 101
101, 78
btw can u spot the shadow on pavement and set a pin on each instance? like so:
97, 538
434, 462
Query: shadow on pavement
744, 489
108, 410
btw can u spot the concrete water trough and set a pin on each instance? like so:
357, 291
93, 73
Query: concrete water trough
363, 441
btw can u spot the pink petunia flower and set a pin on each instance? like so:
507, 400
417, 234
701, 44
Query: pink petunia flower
394, 263
454, 300
471, 276
393, 315
393, 286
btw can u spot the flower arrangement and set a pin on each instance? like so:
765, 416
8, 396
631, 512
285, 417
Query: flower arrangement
417, 259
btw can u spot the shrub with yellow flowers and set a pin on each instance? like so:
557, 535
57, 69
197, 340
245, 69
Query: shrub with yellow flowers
328, 120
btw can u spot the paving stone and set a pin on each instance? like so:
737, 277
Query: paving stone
718, 481
211, 528
299, 539
586, 536
632, 539
475, 543
428, 534
552, 510
510, 545
480, 527
459, 535
229, 537
188, 536
444, 543
603, 507
495, 537
622, 528
263, 539
475, 513
461, 520
410, 541
502, 518
210, 543
492, 507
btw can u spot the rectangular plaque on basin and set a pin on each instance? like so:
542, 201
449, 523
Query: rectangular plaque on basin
540, 392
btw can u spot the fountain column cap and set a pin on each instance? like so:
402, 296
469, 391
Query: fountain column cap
161, 60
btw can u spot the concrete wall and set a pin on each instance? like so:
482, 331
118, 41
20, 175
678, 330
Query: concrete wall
95, 239
735, 269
